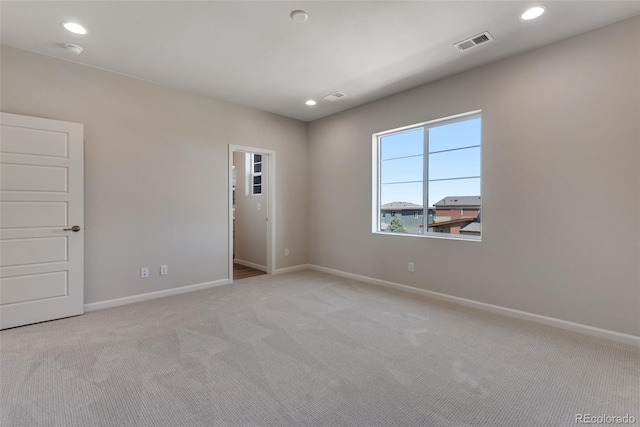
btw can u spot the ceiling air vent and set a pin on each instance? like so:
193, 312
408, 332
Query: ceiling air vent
474, 41
334, 96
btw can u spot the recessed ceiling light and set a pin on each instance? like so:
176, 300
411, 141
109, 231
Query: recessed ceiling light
299, 16
532, 13
311, 102
74, 28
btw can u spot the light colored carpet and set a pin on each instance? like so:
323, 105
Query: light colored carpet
308, 349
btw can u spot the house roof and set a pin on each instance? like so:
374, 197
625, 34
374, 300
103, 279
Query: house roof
452, 221
399, 206
474, 227
459, 201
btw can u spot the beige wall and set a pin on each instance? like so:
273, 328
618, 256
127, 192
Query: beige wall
560, 131
250, 243
156, 171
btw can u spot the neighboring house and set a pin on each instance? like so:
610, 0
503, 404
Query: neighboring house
409, 214
457, 215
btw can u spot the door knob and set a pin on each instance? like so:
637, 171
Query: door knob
75, 228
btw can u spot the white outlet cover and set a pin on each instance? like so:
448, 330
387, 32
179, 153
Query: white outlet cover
144, 272
164, 270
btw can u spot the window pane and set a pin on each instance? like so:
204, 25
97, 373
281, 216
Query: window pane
257, 180
455, 135
401, 170
257, 158
457, 188
455, 164
409, 143
455, 207
257, 189
404, 202
409, 193
401, 221
257, 168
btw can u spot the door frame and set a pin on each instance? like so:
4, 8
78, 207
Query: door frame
271, 202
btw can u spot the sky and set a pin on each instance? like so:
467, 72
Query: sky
402, 163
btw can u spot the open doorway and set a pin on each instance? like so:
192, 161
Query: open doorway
251, 211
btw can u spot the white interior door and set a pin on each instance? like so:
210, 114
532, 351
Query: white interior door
41, 220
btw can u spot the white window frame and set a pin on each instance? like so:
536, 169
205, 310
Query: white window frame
253, 174
376, 173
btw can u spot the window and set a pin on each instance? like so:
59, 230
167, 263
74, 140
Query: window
256, 174
434, 164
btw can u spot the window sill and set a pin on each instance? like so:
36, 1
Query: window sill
438, 236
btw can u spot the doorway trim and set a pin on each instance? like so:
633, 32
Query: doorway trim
271, 202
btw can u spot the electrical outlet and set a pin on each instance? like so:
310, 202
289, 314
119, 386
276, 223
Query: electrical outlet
144, 272
411, 270
164, 270
286, 252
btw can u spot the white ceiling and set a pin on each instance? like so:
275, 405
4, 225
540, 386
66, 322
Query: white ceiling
252, 53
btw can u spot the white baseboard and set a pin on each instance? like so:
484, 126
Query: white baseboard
551, 321
292, 269
152, 295
250, 264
